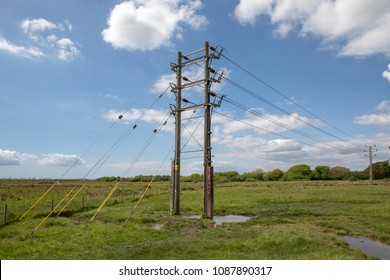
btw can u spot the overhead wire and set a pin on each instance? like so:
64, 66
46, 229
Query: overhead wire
192, 134
251, 93
290, 100
105, 157
277, 122
79, 159
151, 138
124, 136
287, 127
141, 196
143, 192
283, 110
269, 131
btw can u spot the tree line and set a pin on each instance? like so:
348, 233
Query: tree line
380, 170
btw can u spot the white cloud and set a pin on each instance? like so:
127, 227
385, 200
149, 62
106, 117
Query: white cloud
248, 147
43, 40
250, 152
269, 122
149, 24
384, 105
371, 41
354, 27
161, 84
66, 49
60, 160
133, 114
382, 120
248, 10
31, 52
386, 73
8, 157
35, 26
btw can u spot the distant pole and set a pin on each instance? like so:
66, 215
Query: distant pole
370, 163
5, 213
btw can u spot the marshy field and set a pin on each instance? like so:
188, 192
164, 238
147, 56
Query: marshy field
300, 220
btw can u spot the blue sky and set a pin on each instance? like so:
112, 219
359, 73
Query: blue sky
69, 68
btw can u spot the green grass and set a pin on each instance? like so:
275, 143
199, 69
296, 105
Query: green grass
289, 220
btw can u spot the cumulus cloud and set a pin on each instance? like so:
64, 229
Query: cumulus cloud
60, 160
8, 157
382, 120
33, 26
248, 10
67, 50
149, 24
30, 52
386, 73
353, 27
374, 119
43, 40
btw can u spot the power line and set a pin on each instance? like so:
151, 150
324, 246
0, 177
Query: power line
269, 131
251, 93
141, 152
105, 157
124, 136
80, 158
289, 99
289, 128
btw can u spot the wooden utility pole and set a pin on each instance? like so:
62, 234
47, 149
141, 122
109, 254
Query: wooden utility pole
208, 169
370, 161
370, 171
175, 196
210, 76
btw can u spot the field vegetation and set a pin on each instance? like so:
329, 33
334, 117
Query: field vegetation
289, 220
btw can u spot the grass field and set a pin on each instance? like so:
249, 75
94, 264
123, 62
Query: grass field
289, 220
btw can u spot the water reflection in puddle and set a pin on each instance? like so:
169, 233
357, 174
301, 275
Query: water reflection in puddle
218, 220
157, 226
222, 219
230, 219
370, 247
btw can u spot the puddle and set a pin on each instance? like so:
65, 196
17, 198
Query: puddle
157, 226
230, 219
218, 220
222, 219
370, 247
